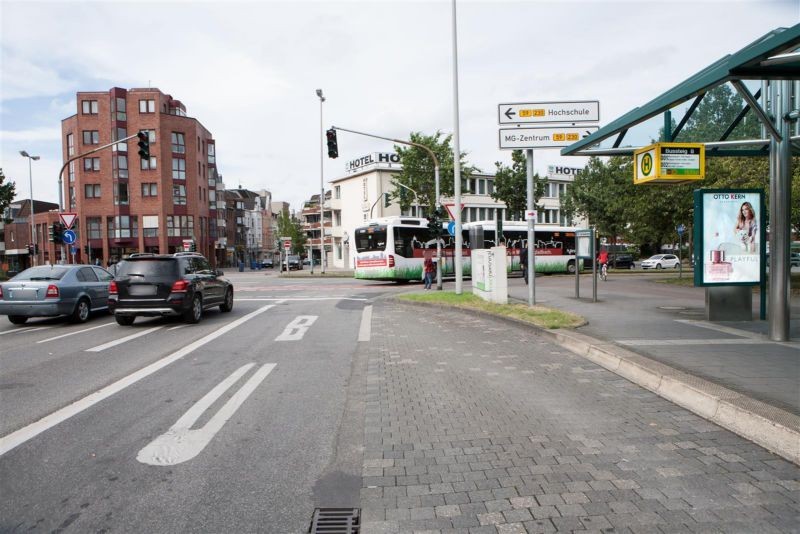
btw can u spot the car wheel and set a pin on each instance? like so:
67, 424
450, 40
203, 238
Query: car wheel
195, 311
125, 320
227, 305
17, 319
658, 266
677, 265
81, 312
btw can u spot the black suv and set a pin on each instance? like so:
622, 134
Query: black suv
183, 285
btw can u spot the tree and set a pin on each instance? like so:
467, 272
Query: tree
290, 227
6, 192
511, 185
418, 169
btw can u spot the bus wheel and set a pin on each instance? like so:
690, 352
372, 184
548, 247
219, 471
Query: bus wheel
571, 267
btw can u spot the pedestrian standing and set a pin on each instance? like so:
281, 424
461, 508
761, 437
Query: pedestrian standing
428, 268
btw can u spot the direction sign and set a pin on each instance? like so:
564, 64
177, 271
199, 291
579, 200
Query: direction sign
68, 219
549, 112
68, 237
543, 136
530, 215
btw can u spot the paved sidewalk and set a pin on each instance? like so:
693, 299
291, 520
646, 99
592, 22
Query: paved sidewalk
476, 425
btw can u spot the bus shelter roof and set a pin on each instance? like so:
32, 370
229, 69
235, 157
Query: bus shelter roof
774, 56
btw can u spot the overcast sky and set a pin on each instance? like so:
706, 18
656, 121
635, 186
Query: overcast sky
249, 70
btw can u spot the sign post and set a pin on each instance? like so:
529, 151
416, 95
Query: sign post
552, 135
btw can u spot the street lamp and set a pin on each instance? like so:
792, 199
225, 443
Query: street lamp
30, 180
321, 193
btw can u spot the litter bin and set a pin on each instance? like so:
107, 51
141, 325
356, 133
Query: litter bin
241, 266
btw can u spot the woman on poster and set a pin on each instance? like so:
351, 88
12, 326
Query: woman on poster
746, 228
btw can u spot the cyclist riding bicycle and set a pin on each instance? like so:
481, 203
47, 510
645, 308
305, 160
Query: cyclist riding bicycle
602, 259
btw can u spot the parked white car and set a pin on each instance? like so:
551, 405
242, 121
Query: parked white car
661, 261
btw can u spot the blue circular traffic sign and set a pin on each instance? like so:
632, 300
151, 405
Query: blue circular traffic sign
68, 237
451, 228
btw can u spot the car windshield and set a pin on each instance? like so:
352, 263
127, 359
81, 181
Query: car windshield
657, 257
43, 272
147, 267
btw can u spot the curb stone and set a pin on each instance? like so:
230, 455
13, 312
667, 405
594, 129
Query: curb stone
774, 429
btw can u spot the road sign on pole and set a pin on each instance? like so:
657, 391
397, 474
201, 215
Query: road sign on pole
549, 112
68, 219
68, 237
543, 136
450, 211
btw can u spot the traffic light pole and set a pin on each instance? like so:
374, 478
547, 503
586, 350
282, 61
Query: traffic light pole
436, 179
61, 175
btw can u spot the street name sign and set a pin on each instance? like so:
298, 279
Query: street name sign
669, 163
543, 136
68, 219
549, 112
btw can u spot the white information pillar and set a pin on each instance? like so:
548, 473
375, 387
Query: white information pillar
489, 274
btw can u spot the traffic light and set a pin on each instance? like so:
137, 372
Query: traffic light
386, 200
86, 249
434, 226
30, 249
144, 145
333, 148
58, 233
193, 247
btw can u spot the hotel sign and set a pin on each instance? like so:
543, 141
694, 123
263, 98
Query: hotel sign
389, 159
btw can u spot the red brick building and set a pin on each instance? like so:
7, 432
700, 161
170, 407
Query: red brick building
125, 204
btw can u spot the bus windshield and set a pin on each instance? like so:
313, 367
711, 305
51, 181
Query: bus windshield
371, 238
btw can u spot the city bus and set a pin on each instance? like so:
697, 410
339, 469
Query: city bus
394, 248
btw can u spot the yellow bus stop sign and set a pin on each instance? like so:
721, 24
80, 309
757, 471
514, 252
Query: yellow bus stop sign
669, 163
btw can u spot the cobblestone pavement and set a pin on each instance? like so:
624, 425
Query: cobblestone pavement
476, 425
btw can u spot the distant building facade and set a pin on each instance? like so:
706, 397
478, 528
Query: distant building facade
125, 204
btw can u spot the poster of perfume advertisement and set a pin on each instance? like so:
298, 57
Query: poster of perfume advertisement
731, 237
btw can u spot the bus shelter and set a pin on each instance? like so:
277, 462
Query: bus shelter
766, 74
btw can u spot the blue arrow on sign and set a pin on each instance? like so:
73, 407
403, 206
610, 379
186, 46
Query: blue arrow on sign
68, 237
681, 228
451, 228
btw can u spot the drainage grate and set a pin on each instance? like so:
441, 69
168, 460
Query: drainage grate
335, 521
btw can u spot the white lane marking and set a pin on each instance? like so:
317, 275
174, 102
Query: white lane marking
122, 340
180, 443
738, 332
256, 299
73, 333
22, 435
19, 331
176, 327
364, 330
295, 330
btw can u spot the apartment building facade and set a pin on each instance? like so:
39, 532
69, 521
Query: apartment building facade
125, 204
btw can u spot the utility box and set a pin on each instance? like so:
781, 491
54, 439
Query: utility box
489, 275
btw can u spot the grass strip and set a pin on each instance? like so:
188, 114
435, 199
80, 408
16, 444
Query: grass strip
537, 315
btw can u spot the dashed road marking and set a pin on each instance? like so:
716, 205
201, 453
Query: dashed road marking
122, 340
73, 333
21, 330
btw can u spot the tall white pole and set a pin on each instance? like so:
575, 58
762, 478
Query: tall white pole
531, 232
321, 192
457, 163
33, 226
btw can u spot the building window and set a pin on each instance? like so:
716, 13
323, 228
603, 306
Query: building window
364, 189
91, 190
212, 158
121, 115
151, 135
93, 228
122, 166
91, 137
178, 143
147, 106
122, 133
123, 226
89, 107
150, 225
178, 169
150, 189
91, 164
337, 191
70, 145
72, 201
179, 195
71, 171
562, 190
121, 193
489, 187
148, 164
180, 225
481, 187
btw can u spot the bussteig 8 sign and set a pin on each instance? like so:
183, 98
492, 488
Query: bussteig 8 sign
669, 163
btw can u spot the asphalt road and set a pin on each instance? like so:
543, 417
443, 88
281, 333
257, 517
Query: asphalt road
141, 433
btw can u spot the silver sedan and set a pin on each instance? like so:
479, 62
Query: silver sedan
53, 290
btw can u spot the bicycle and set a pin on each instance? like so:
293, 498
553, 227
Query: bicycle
604, 272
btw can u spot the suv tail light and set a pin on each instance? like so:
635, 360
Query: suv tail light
112, 289
180, 286
391, 261
52, 292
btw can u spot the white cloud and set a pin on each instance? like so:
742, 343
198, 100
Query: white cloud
248, 70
